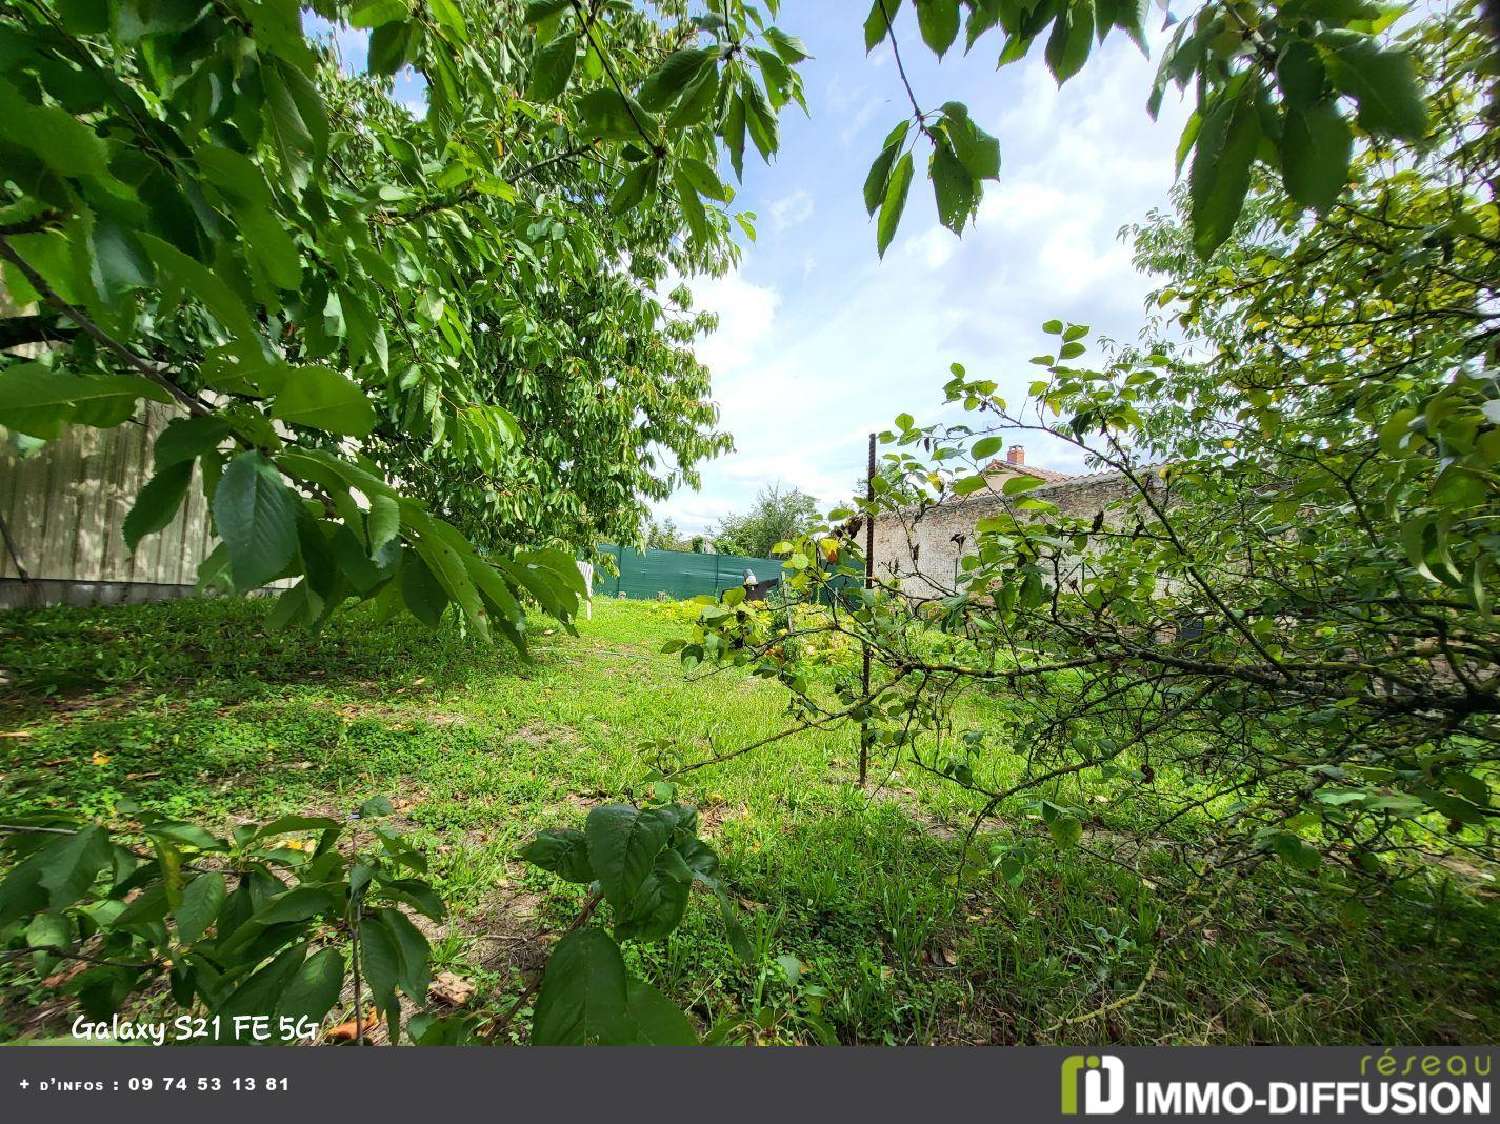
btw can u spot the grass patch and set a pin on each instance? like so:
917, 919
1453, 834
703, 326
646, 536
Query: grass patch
194, 710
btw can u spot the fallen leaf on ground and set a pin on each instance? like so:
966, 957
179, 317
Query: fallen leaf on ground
347, 1032
451, 989
101, 758
57, 979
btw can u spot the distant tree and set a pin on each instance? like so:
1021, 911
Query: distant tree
780, 514
662, 536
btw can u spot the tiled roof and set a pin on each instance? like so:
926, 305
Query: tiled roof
1050, 475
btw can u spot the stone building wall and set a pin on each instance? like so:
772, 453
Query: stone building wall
941, 535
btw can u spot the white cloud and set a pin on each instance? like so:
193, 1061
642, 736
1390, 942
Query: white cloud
934, 247
809, 362
746, 315
792, 209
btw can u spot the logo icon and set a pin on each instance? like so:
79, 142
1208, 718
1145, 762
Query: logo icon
1103, 1084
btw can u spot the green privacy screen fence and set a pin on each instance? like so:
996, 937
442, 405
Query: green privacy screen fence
678, 574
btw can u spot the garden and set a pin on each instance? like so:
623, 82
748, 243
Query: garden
866, 921
397, 299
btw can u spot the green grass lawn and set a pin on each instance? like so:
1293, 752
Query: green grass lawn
192, 709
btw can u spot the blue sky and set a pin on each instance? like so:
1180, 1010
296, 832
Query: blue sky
820, 342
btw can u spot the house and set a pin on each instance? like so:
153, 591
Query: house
917, 550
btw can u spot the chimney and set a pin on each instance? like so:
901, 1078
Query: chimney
1016, 454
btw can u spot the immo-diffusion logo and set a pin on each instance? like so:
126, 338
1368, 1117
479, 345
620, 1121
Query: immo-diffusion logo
1103, 1084
1433, 1084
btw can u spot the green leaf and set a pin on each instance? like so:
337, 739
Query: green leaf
878, 23
157, 502
791, 49
391, 45
1066, 831
1220, 174
284, 824
423, 593
692, 207
893, 203
938, 22
733, 133
704, 179
268, 242
383, 522
632, 188
256, 516
659, 903
49, 930
656, 1019
734, 928
258, 995
201, 900
977, 150
228, 307
538, 11
68, 867
1291, 849
373, 13
189, 834
697, 100
986, 447
609, 116
314, 988
301, 903
880, 170
37, 400
760, 119
55, 136
663, 85
1382, 82
84, 17
324, 399
380, 957
623, 844
953, 187
584, 995
187, 439
414, 951
1072, 36
551, 68
1300, 74
1315, 148
1016, 485
121, 262
21, 892
564, 852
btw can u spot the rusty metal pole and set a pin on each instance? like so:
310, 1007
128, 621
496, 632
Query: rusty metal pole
864, 730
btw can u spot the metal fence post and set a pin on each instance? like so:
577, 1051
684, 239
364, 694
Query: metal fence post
864, 727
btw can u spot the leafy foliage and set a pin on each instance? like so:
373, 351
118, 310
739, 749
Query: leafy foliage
1272, 83
1289, 596
644, 862
779, 514
341, 293
258, 930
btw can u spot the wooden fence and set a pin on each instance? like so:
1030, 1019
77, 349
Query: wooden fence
63, 508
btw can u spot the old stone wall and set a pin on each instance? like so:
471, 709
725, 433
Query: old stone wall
920, 551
